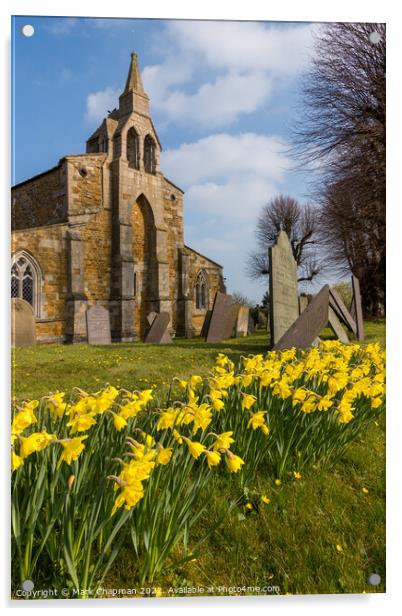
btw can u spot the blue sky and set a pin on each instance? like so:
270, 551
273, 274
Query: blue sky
223, 96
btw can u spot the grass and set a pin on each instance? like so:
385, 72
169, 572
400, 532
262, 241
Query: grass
291, 543
46, 368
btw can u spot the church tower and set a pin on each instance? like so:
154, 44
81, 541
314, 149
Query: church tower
140, 277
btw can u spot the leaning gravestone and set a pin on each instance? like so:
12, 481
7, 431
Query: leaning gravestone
357, 303
158, 332
22, 323
217, 326
283, 297
151, 317
229, 327
242, 321
343, 314
336, 326
303, 303
98, 325
166, 338
307, 327
205, 325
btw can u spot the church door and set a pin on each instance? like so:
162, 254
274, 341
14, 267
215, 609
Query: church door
145, 264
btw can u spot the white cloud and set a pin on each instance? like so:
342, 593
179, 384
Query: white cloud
61, 26
213, 72
223, 155
246, 46
98, 103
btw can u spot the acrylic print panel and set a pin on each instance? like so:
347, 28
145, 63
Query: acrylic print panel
153, 167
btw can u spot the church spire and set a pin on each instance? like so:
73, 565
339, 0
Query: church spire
134, 82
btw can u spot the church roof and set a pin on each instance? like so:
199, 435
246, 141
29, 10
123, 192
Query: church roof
134, 81
203, 256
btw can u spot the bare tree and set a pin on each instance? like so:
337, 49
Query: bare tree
300, 222
343, 130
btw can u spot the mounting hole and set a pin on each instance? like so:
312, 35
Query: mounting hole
375, 37
28, 30
83, 172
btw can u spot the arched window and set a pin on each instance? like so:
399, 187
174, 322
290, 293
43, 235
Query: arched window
149, 155
201, 292
26, 280
133, 149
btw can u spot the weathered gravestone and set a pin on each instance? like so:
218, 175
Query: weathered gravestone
229, 327
357, 304
262, 319
166, 338
242, 321
151, 317
251, 325
336, 326
205, 325
218, 323
158, 332
98, 325
22, 323
303, 303
343, 314
307, 327
283, 297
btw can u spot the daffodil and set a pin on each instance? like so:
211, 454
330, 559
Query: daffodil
257, 420
164, 455
194, 448
81, 423
16, 461
248, 401
213, 458
119, 422
234, 462
24, 418
35, 442
296, 475
72, 449
265, 500
223, 441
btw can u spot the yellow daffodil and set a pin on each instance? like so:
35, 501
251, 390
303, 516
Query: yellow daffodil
72, 449
35, 442
223, 441
213, 458
16, 461
296, 475
248, 401
258, 421
234, 462
164, 455
119, 422
24, 418
265, 500
81, 423
194, 448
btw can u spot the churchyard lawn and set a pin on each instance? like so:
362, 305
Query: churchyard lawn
321, 533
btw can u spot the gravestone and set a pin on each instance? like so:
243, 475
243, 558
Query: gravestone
336, 326
229, 328
251, 325
262, 319
303, 303
283, 296
205, 325
158, 332
22, 323
308, 326
343, 314
167, 337
151, 317
217, 326
357, 301
242, 321
98, 325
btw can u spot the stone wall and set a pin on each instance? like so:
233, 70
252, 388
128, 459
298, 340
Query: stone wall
213, 271
48, 246
41, 200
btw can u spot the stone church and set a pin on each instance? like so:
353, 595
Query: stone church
106, 228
